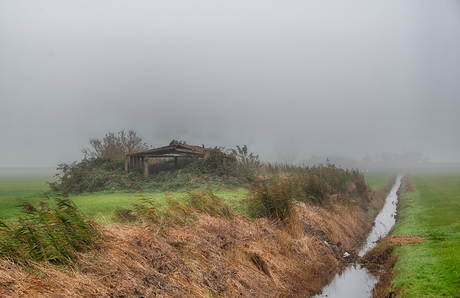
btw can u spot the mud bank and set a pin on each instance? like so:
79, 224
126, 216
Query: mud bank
210, 256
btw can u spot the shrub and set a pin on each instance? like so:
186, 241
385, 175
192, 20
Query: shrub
314, 188
53, 231
94, 174
273, 200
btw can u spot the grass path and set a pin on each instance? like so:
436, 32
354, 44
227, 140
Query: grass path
431, 269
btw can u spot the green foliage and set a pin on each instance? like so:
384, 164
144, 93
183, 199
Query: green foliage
94, 174
104, 174
244, 157
248, 164
51, 231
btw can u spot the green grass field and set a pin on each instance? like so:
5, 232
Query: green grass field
102, 205
99, 205
377, 180
432, 211
21, 187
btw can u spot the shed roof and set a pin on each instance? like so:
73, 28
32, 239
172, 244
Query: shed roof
174, 149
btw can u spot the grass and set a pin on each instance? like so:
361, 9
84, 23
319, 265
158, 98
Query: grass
431, 269
102, 205
20, 187
377, 180
98, 205
169, 256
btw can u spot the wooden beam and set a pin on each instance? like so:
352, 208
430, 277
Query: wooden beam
146, 166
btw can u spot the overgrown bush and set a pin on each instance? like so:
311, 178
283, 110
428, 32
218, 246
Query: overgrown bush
276, 198
95, 174
273, 200
104, 174
315, 189
51, 231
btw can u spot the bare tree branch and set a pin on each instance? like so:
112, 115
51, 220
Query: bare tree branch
116, 146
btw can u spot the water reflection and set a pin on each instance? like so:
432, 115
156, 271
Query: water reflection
355, 281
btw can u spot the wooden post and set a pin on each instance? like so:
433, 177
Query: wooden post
126, 163
175, 162
224, 162
146, 166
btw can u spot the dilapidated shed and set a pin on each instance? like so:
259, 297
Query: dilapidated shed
175, 149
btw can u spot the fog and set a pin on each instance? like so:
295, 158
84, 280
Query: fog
290, 79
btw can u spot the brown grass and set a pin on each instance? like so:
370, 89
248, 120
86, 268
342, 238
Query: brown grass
207, 257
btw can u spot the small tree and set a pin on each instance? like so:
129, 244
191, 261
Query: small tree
116, 145
244, 157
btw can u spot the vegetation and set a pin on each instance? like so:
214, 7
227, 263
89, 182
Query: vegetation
104, 174
21, 187
115, 145
429, 209
51, 231
317, 185
192, 242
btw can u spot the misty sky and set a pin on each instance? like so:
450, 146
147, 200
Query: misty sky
319, 77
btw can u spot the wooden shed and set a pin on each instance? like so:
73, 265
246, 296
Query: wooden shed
174, 150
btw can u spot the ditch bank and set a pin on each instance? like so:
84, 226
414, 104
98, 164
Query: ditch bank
358, 281
381, 259
210, 256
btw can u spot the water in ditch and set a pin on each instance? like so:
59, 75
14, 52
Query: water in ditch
355, 281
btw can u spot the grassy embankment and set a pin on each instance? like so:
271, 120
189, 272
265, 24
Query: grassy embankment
204, 255
430, 210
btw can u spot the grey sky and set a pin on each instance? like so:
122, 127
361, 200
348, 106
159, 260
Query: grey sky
324, 77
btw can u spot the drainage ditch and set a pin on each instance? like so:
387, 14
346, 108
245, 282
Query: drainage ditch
356, 281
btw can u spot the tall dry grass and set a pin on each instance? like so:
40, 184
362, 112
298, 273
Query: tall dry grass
192, 249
